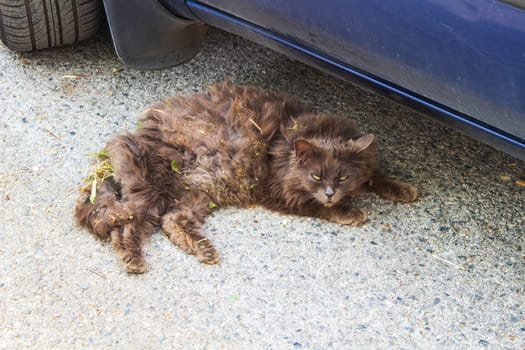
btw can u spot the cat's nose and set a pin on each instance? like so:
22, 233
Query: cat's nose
329, 192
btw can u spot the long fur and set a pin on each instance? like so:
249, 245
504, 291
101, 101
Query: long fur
230, 146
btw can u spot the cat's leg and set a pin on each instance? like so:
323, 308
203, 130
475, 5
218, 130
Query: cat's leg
105, 213
391, 189
127, 242
183, 225
344, 215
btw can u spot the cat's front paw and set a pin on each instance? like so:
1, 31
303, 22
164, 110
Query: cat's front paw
354, 217
393, 190
404, 193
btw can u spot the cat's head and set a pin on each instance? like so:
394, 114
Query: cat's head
330, 170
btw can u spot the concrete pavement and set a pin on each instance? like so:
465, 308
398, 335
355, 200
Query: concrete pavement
445, 272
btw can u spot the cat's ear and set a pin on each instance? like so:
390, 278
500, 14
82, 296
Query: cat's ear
303, 149
362, 143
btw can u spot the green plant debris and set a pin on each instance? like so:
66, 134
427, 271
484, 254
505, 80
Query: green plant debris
93, 195
102, 153
250, 187
175, 166
100, 172
139, 125
212, 205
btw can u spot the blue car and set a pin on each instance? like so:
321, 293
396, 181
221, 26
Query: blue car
461, 62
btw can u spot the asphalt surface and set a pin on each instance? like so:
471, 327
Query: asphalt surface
446, 272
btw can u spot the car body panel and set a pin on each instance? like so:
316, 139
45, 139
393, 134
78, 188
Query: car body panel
469, 55
460, 61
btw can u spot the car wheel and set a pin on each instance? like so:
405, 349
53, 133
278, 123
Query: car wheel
28, 25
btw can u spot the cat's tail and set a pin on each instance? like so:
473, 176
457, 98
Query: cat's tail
98, 208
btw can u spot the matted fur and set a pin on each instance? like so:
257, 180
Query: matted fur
233, 145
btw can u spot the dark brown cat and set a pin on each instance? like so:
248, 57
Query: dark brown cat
230, 146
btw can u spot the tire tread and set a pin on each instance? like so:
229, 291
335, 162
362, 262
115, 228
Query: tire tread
28, 25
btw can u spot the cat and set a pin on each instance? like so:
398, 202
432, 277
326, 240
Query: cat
231, 146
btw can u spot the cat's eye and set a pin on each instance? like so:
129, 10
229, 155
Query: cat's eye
342, 178
316, 177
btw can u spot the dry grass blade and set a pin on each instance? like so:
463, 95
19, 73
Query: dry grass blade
97, 273
447, 262
53, 134
74, 76
295, 125
256, 125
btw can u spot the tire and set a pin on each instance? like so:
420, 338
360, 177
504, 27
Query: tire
29, 25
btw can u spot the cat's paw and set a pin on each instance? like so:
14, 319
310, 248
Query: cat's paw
393, 190
404, 193
135, 265
354, 217
206, 252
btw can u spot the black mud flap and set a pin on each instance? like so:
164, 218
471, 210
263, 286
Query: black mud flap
147, 36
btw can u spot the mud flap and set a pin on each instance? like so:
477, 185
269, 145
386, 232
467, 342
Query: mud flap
147, 36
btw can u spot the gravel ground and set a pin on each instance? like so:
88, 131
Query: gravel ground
445, 272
